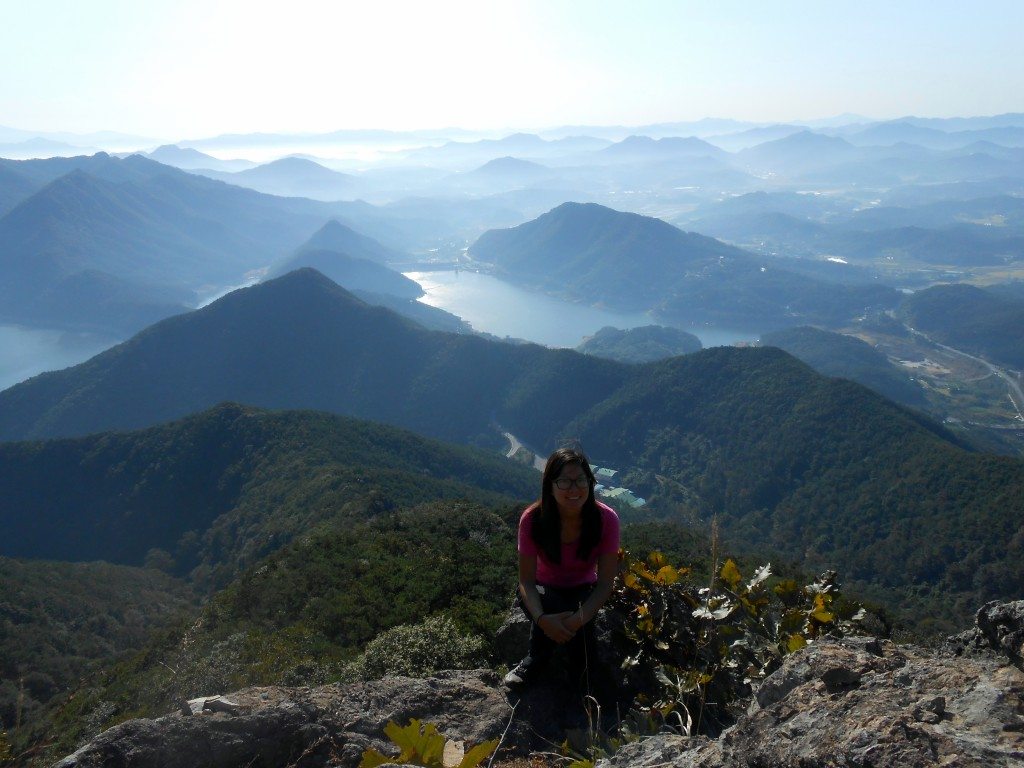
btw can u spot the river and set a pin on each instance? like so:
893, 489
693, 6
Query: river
493, 306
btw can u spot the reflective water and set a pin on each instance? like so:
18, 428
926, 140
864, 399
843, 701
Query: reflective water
25, 352
493, 306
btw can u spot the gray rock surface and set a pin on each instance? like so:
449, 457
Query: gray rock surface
855, 702
330, 725
865, 703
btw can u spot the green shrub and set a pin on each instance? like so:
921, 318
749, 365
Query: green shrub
419, 650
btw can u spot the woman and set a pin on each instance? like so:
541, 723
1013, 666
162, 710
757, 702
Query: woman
568, 557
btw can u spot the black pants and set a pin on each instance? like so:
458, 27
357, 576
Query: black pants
581, 650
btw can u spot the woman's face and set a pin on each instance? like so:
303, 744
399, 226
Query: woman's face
578, 490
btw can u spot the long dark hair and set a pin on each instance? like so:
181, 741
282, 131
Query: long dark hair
546, 528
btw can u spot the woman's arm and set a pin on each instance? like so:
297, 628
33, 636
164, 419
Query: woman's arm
552, 624
607, 568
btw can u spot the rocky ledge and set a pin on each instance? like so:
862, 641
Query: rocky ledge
850, 702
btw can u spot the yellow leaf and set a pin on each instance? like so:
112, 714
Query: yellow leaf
656, 559
731, 574
795, 643
643, 609
372, 758
667, 575
478, 754
823, 616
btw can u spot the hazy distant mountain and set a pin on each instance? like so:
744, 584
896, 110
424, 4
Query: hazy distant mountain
1007, 120
639, 345
1001, 213
353, 261
644, 148
293, 177
511, 167
350, 272
458, 154
836, 354
136, 238
798, 153
733, 142
634, 263
189, 159
936, 138
40, 147
335, 236
14, 188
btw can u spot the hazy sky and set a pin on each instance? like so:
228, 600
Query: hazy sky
192, 68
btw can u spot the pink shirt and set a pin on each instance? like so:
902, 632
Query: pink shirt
571, 572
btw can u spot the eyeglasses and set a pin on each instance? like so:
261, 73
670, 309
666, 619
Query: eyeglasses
565, 483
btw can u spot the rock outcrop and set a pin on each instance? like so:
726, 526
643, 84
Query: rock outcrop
850, 702
304, 727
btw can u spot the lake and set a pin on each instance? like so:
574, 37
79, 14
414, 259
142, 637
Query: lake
493, 306
25, 352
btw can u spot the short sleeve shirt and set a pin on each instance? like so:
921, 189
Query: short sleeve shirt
571, 572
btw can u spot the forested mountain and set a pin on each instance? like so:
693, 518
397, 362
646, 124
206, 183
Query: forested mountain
630, 262
971, 319
821, 469
59, 620
229, 485
303, 342
640, 345
836, 354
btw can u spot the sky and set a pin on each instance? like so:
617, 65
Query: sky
198, 68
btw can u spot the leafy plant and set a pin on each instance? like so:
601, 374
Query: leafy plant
423, 745
419, 650
697, 649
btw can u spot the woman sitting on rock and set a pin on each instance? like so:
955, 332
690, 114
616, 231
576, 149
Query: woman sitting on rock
568, 557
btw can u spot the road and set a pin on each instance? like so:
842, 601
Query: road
1015, 393
538, 462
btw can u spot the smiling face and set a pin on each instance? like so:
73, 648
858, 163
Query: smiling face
572, 498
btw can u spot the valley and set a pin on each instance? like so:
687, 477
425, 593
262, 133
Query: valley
267, 395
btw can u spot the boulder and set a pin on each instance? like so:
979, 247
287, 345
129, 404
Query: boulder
857, 702
328, 725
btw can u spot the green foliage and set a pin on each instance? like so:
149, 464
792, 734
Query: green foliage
58, 620
423, 745
825, 473
419, 650
700, 647
835, 354
215, 492
302, 615
979, 321
640, 345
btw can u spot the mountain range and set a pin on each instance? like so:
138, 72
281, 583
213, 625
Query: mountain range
111, 244
627, 262
820, 469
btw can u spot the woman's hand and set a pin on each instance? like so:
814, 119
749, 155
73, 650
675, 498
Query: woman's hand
574, 623
554, 626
